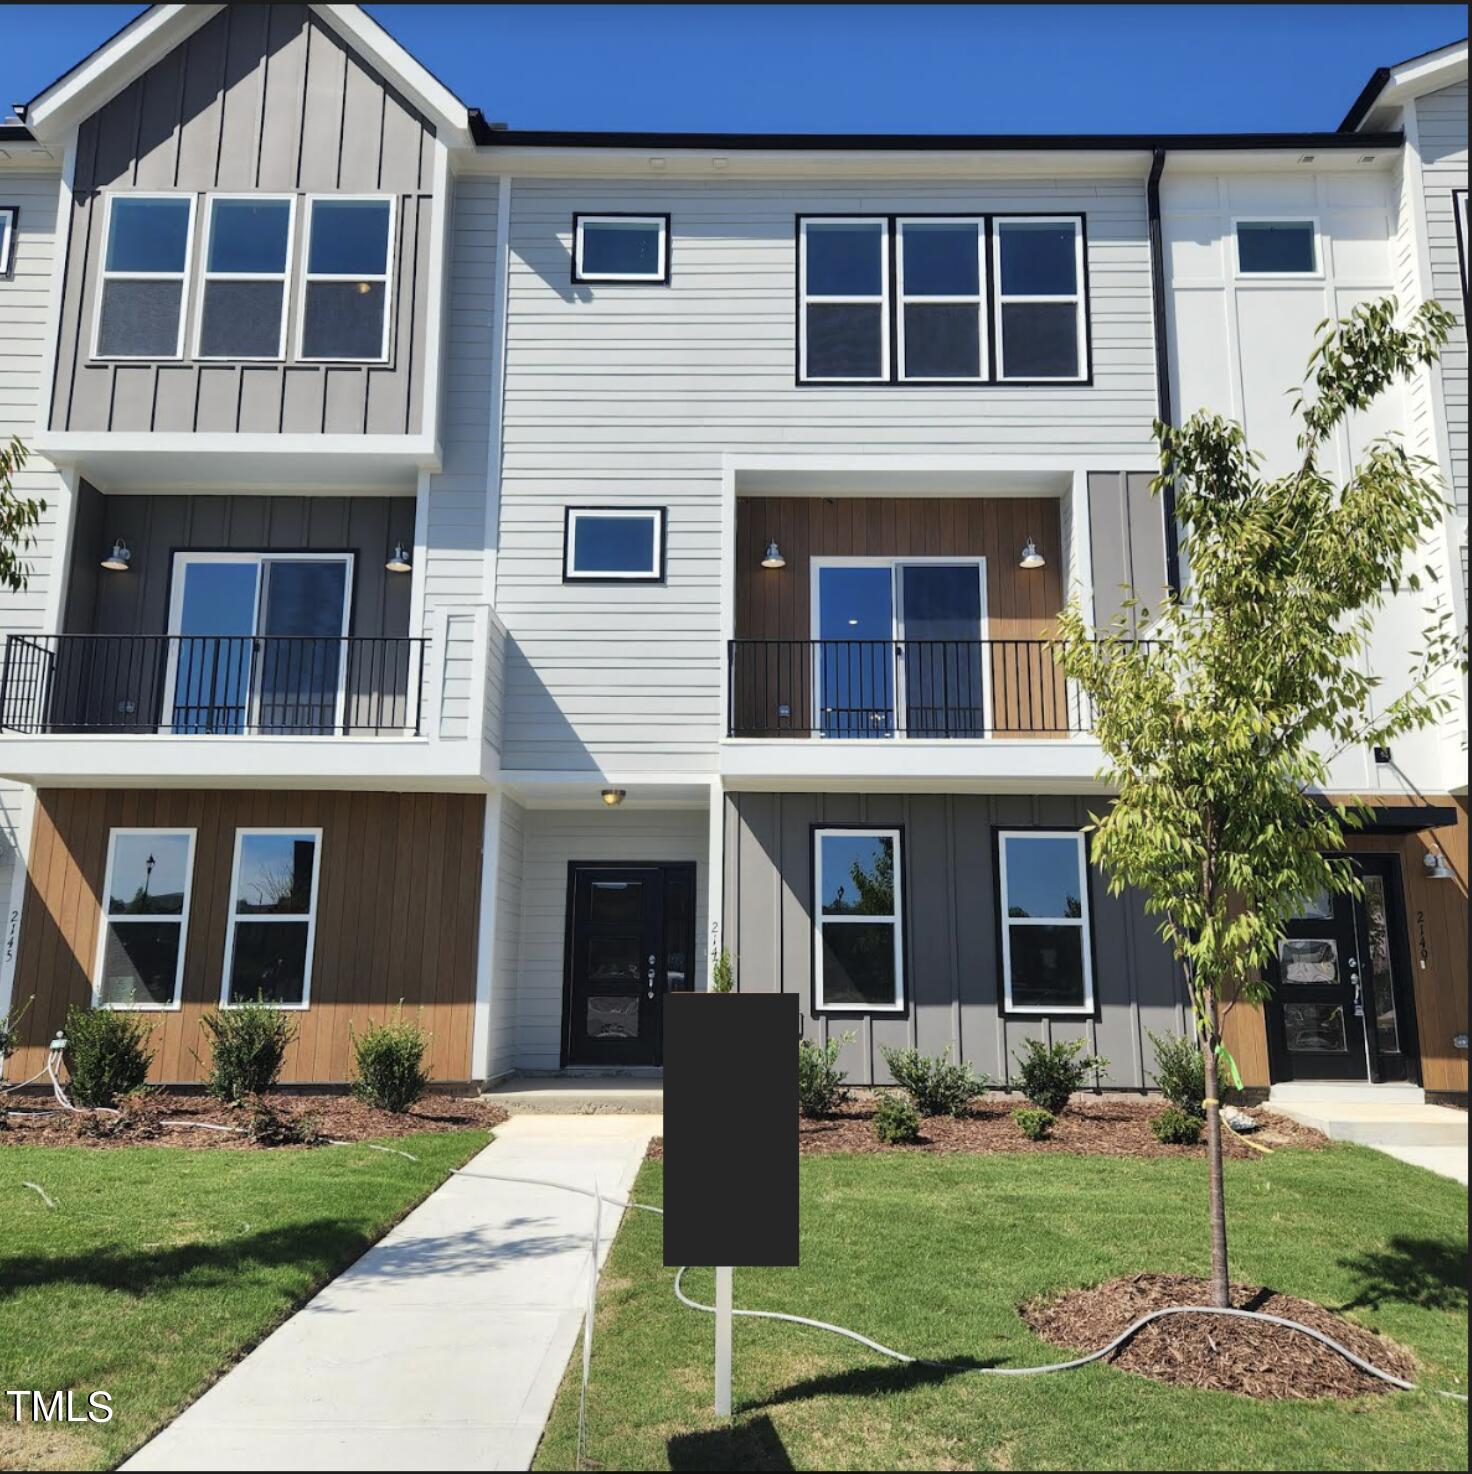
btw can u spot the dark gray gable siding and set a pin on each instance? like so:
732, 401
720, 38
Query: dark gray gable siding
953, 983
262, 97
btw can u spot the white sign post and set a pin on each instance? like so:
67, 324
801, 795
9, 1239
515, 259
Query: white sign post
723, 1341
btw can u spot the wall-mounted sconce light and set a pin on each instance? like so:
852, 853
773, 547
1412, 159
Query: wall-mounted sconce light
1436, 866
773, 558
398, 560
119, 558
1031, 558
613, 797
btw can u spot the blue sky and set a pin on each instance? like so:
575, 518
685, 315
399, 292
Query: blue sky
863, 68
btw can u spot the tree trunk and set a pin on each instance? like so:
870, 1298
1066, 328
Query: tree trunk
1220, 1294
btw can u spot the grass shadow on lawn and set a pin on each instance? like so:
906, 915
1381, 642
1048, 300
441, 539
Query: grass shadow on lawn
1410, 1271
879, 1381
755, 1444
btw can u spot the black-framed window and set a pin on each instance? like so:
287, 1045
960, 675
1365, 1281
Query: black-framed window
858, 927
942, 299
1277, 248
620, 543
1047, 962
621, 248
9, 220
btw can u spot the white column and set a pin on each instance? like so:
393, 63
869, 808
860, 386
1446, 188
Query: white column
487, 1005
715, 875
723, 1341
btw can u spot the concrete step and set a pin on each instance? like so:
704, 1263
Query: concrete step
1338, 1092
635, 1093
1380, 1123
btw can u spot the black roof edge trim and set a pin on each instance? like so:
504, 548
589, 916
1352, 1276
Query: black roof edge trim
1399, 818
931, 142
1360, 107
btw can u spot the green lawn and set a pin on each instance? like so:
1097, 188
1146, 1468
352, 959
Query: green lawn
933, 1253
160, 1266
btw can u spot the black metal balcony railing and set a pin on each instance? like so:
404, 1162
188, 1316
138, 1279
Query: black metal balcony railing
901, 688
192, 685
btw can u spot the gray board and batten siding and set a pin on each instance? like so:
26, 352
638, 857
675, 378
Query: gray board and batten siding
261, 98
953, 984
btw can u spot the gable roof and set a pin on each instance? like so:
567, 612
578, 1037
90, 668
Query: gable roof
1392, 85
150, 36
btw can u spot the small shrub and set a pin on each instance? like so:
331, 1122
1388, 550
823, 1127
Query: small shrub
1050, 1073
896, 1121
722, 974
1180, 1072
248, 1044
267, 1124
1033, 1123
390, 1063
107, 1054
820, 1087
1176, 1127
10, 1029
935, 1085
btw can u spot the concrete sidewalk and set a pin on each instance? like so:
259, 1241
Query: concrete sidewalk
444, 1345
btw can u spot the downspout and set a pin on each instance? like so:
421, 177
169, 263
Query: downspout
1163, 409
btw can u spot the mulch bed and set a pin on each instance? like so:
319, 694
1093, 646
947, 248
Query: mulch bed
338, 1115
1219, 1352
1093, 1125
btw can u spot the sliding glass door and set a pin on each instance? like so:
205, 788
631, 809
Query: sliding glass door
897, 647
257, 643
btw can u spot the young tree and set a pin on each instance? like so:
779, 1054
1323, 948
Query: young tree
1219, 729
18, 517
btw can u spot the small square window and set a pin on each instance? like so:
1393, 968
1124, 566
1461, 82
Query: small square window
9, 215
623, 543
1046, 965
614, 248
1276, 248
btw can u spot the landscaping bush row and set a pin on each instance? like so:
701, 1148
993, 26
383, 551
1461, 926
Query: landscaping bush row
1049, 1075
108, 1056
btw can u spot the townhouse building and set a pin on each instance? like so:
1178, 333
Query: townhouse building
503, 571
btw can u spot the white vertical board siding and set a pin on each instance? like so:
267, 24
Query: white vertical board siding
507, 955
553, 838
24, 360
633, 394
1441, 127
455, 515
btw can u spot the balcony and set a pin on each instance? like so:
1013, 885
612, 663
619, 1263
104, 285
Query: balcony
876, 713
400, 712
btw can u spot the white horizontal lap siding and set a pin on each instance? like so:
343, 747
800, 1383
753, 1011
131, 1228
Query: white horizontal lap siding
553, 838
633, 394
1441, 126
24, 354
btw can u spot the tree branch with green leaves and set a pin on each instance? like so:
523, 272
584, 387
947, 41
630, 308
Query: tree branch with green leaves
19, 518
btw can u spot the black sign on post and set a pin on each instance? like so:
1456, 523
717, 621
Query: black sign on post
730, 1128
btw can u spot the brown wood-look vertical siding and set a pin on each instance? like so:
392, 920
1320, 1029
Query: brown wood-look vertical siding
260, 97
1436, 919
397, 913
1028, 692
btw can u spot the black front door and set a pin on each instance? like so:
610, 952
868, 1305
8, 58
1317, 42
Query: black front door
1341, 1007
631, 939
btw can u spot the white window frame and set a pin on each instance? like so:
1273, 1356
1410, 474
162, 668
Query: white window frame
1235, 253
882, 300
9, 221
896, 565
659, 277
570, 572
1082, 921
232, 920
978, 300
1078, 297
896, 921
182, 277
260, 557
386, 276
106, 919
206, 276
